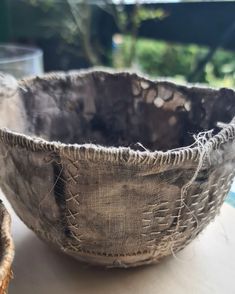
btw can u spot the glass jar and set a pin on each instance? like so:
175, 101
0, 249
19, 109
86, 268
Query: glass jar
20, 61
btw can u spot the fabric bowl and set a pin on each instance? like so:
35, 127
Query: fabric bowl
113, 168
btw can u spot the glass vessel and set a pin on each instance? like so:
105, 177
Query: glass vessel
20, 61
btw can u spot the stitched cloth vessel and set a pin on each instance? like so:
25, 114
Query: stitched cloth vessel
6, 249
114, 168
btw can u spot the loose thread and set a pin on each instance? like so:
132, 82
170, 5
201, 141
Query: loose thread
204, 149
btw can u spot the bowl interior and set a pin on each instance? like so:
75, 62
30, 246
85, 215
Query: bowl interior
121, 109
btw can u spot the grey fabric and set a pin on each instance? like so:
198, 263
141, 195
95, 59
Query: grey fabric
75, 174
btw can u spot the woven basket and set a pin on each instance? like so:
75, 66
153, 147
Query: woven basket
113, 168
6, 249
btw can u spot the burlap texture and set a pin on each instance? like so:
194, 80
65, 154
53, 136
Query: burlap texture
74, 173
6, 249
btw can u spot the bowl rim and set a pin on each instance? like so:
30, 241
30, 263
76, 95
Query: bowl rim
89, 151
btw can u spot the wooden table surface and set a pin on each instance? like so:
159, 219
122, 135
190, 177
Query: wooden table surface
206, 266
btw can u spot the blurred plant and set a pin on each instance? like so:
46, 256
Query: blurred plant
73, 21
74, 25
158, 58
128, 23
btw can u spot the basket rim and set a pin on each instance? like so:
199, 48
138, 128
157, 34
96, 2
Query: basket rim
89, 151
7, 254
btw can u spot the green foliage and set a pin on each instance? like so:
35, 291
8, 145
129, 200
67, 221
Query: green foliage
147, 14
221, 70
158, 58
72, 23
